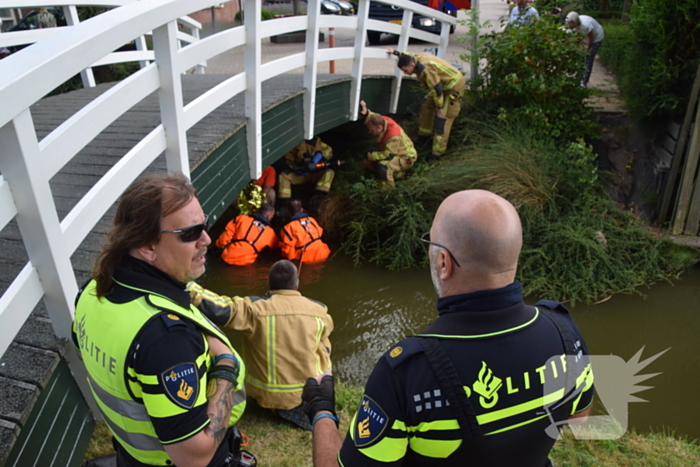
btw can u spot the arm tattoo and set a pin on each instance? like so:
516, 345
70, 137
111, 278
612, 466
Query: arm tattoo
219, 409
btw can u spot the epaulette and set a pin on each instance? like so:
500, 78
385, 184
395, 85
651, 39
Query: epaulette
554, 306
255, 298
402, 351
171, 320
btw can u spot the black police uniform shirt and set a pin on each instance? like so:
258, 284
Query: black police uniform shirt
501, 349
162, 344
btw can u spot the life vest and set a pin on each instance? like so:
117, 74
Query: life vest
105, 333
392, 129
244, 238
301, 240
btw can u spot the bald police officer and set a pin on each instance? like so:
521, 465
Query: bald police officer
483, 383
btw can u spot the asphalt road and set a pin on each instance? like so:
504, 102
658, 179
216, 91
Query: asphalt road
232, 62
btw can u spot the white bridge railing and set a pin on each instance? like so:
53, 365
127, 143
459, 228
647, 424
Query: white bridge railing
188, 33
28, 164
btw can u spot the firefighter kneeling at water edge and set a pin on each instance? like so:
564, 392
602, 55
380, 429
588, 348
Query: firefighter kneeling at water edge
300, 239
445, 85
246, 236
395, 154
285, 337
166, 379
309, 162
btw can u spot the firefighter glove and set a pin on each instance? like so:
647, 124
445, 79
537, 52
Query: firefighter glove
318, 397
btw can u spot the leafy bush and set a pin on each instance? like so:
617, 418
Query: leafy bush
618, 43
655, 56
533, 73
669, 37
613, 5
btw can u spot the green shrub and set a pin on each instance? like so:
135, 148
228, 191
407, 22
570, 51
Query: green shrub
668, 34
593, 5
601, 15
264, 15
655, 56
615, 51
533, 73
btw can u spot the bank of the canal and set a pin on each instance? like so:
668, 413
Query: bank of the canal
373, 308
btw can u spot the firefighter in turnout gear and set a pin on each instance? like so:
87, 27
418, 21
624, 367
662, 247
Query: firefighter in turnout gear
166, 379
300, 239
246, 236
302, 163
395, 153
489, 383
445, 85
285, 338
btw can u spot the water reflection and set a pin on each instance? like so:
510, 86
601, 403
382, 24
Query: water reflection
373, 309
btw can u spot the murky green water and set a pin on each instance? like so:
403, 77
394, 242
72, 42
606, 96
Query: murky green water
373, 308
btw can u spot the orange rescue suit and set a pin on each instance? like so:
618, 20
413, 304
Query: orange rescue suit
245, 237
301, 239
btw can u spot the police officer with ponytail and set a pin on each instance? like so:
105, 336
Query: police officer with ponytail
167, 381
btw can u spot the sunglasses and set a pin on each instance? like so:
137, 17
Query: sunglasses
426, 239
191, 233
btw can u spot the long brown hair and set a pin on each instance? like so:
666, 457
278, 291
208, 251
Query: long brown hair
138, 220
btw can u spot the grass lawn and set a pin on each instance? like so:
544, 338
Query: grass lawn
279, 444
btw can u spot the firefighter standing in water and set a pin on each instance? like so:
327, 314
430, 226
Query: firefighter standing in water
246, 236
445, 85
301, 237
395, 153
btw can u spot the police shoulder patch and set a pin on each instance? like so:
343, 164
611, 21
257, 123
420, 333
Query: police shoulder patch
181, 384
401, 351
370, 423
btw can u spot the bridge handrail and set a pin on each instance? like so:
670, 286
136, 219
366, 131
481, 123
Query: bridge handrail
144, 56
28, 164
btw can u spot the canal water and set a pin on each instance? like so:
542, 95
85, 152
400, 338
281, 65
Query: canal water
373, 308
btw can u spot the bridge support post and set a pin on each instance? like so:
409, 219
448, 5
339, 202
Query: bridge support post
253, 104
165, 48
402, 46
358, 60
72, 18
22, 166
312, 13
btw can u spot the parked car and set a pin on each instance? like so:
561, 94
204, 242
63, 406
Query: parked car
393, 14
337, 7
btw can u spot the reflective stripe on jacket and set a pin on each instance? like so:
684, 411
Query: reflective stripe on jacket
439, 77
285, 339
112, 329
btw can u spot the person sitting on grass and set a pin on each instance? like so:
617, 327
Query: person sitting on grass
285, 337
